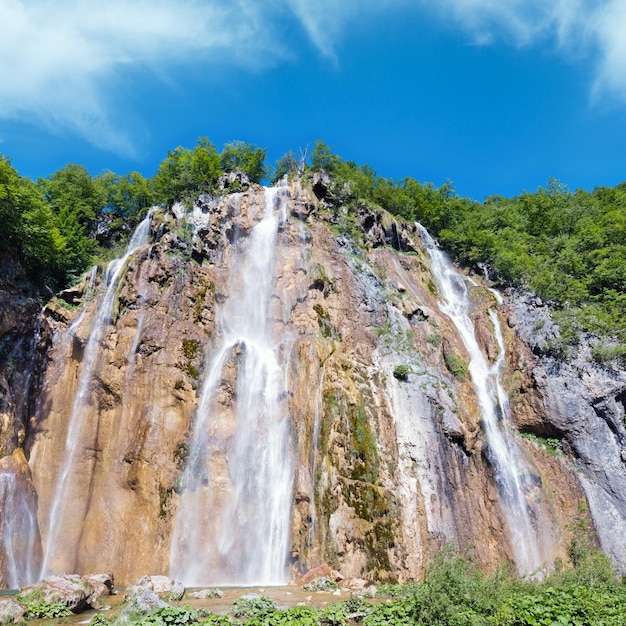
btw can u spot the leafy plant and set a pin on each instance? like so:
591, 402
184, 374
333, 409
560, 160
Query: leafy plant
47, 610
253, 606
169, 616
401, 372
456, 366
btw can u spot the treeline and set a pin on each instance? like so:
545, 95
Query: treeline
57, 226
567, 247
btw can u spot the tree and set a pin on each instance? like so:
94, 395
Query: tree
239, 155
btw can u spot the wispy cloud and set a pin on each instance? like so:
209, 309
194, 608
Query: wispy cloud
60, 62
578, 29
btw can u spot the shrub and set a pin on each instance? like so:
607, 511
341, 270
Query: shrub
456, 366
253, 606
401, 372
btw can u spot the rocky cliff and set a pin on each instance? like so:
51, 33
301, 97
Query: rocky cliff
274, 386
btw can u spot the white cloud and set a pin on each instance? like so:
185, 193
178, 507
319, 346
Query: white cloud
609, 27
60, 61
592, 29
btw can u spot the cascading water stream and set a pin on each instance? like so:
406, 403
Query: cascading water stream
233, 517
503, 450
19, 538
56, 527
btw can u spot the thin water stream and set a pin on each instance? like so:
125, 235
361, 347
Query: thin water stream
56, 528
503, 451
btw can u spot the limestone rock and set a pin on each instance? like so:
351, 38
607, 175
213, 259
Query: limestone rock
76, 592
11, 611
385, 472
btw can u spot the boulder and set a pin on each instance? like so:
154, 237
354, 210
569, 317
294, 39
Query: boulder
205, 594
159, 585
146, 602
321, 571
76, 592
11, 611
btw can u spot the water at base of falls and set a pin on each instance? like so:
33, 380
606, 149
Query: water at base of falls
67, 495
502, 449
233, 516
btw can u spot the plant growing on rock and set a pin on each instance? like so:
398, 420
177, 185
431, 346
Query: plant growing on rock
401, 372
456, 366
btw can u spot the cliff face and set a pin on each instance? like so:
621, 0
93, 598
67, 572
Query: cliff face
265, 395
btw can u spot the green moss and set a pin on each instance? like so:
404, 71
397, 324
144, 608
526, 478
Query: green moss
165, 495
181, 453
550, 444
456, 366
192, 352
326, 328
434, 340
205, 287
361, 488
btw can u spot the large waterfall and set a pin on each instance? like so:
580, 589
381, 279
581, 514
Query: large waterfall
233, 518
58, 535
503, 451
265, 389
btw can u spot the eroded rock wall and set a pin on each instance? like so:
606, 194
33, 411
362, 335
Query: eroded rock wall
390, 458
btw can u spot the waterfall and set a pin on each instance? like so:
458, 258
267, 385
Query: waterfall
233, 516
503, 451
67, 495
19, 536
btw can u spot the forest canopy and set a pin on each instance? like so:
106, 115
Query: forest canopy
567, 247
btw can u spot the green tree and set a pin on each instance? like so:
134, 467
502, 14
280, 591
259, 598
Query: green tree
239, 155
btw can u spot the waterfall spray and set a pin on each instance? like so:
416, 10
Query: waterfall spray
232, 520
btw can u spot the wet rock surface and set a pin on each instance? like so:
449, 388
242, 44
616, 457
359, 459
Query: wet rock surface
584, 404
388, 468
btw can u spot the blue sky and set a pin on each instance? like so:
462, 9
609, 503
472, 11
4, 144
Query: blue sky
495, 95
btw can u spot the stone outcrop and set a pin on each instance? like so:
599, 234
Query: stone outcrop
389, 464
582, 404
11, 611
75, 591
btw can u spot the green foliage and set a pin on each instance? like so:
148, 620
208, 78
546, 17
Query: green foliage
287, 165
603, 353
239, 155
46, 610
401, 372
169, 616
252, 606
124, 196
456, 366
99, 620
551, 444
185, 173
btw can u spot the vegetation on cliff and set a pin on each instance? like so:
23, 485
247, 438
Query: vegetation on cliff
567, 247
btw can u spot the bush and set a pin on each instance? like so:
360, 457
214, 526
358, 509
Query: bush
253, 606
401, 372
456, 366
